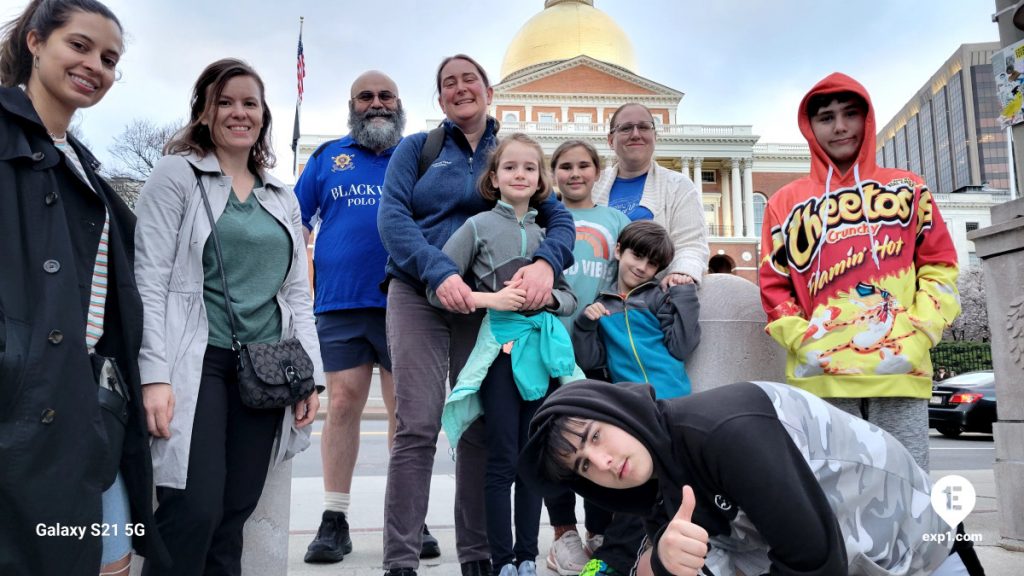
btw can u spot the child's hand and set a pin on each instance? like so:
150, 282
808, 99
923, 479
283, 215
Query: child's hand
595, 311
683, 544
675, 279
509, 298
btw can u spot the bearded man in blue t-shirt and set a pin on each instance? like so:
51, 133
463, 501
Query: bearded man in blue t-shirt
339, 193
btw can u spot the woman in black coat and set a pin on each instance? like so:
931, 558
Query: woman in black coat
74, 498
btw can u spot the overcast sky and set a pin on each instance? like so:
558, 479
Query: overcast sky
737, 61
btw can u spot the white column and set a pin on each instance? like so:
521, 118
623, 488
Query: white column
727, 211
684, 166
736, 191
748, 198
599, 121
696, 175
529, 116
565, 114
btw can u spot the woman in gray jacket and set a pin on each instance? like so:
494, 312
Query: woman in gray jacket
207, 488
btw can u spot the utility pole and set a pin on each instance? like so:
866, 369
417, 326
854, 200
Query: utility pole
1008, 13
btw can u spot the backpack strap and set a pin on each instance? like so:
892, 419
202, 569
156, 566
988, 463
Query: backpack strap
431, 150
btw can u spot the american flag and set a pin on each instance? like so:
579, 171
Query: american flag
301, 65
300, 72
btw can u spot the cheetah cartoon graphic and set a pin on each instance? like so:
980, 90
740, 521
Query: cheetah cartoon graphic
874, 325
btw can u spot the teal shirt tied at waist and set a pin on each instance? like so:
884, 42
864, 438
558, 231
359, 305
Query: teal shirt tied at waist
542, 350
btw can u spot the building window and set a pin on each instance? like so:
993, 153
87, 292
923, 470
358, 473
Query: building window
709, 176
582, 118
972, 260
510, 117
760, 200
546, 117
971, 226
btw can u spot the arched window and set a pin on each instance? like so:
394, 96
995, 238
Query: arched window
760, 201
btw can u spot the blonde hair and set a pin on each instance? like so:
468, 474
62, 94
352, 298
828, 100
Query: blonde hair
492, 194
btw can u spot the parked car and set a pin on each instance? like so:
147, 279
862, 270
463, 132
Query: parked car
964, 403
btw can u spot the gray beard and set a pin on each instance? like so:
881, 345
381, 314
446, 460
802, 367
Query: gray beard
374, 136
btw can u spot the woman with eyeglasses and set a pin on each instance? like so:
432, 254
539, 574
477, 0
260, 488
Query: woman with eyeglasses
643, 190
418, 213
75, 493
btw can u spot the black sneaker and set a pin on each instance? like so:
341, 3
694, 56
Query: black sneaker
400, 572
332, 541
476, 568
430, 548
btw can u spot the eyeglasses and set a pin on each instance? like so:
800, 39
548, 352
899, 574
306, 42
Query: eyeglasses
366, 97
627, 129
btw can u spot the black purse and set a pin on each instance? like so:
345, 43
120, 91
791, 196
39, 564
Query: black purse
269, 375
113, 400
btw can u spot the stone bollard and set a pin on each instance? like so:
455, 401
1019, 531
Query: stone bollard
733, 344
1001, 249
266, 532
265, 552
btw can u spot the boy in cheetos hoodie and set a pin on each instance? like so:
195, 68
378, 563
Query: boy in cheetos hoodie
859, 272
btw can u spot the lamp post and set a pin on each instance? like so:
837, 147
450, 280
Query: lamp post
1009, 15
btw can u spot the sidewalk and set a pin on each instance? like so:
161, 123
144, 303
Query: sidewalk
367, 521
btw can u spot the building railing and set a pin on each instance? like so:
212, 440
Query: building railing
781, 149
601, 128
720, 231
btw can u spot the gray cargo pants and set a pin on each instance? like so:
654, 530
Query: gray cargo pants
425, 342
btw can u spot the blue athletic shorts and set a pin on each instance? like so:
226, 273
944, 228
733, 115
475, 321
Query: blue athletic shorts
350, 338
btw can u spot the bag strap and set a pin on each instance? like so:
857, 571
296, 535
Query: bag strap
431, 149
235, 344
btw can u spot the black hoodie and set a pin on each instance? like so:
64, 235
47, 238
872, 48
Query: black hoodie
745, 450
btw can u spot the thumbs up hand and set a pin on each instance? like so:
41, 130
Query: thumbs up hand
683, 544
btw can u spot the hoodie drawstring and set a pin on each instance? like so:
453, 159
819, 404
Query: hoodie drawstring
824, 220
864, 210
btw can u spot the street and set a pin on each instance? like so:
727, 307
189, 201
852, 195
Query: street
968, 452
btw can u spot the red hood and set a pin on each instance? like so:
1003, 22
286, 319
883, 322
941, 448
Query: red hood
838, 82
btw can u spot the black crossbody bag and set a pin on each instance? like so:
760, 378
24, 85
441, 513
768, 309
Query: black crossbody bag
269, 375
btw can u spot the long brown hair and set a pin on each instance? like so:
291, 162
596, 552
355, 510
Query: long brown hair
42, 16
195, 137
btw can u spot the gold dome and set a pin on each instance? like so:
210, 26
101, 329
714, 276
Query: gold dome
566, 29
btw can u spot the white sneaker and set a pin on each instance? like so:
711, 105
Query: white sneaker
567, 556
593, 543
509, 570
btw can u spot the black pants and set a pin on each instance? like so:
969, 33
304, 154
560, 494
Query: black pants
227, 467
507, 420
562, 512
622, 541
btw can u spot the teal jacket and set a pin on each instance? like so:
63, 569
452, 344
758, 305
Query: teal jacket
542, 351
646, 337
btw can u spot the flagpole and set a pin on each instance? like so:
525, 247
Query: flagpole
300, 73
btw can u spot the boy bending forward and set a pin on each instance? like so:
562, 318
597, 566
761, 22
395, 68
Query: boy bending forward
750, 478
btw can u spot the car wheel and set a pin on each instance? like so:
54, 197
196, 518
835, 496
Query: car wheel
949, 431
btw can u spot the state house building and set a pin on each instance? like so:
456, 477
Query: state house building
568, 69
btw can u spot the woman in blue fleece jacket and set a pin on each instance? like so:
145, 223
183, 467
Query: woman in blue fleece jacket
416, 217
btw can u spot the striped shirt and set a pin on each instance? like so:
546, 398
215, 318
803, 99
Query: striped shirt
98, 287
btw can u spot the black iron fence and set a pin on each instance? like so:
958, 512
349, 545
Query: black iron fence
952, 358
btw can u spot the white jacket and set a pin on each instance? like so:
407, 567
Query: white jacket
673, 199
170, 236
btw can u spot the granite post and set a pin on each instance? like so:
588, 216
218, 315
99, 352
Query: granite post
1001, 249
733, 344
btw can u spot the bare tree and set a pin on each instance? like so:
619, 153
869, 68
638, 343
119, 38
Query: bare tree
139, 146
972, 324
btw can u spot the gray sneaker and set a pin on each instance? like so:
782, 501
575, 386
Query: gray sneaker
567, 556
527, 568
508, 570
